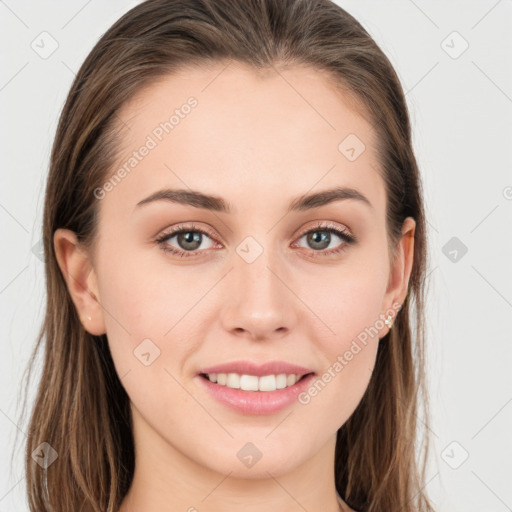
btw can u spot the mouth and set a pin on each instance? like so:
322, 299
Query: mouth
258, 393
247, 382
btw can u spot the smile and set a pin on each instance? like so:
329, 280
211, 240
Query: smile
267, 400
253, 382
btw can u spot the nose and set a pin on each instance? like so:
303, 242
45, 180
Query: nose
259, 302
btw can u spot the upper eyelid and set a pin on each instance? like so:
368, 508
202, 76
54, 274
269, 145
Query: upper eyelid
181, 228
321, 225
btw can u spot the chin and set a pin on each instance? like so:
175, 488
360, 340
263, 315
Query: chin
250, 462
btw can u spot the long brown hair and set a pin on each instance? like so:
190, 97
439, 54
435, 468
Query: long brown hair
81, 408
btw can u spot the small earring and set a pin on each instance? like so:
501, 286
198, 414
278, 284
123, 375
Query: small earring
389, 321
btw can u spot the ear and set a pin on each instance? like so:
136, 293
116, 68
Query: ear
400, 273
80, 277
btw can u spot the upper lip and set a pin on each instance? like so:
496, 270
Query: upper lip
250, 368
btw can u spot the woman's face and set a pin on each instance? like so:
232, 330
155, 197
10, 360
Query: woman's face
256, 277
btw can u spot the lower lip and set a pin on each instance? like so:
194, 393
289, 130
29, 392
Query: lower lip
257, 402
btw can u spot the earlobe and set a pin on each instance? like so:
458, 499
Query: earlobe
76, 268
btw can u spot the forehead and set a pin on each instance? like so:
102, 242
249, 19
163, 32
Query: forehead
272, 133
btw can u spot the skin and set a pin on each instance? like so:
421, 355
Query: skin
259, 144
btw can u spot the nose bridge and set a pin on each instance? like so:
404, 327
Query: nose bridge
259, 303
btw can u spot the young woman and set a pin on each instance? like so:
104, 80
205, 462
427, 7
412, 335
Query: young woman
235, 250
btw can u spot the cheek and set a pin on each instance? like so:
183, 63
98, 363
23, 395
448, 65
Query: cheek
146, 349
140, 297
352, 313
348, 300
149, 318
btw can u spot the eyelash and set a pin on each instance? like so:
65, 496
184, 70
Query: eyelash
325, 227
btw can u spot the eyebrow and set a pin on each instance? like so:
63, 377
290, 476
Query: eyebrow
218, 204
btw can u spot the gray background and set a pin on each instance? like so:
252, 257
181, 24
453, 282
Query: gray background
460, 101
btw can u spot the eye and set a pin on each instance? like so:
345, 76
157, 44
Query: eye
189, 240
320, 238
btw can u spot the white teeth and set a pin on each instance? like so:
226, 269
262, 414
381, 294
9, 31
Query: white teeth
281, 381
254, 383
267, 383
233, 381
249, 382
